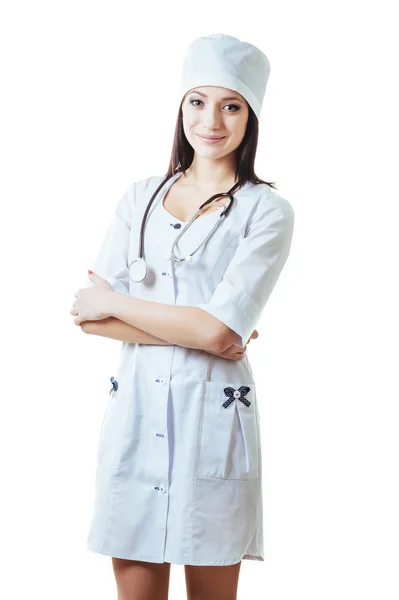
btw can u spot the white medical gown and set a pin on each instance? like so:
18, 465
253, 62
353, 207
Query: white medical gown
179, 469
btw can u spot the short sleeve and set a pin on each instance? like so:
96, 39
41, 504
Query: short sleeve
112, 259
239, 299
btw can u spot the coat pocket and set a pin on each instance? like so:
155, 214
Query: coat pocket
229, 433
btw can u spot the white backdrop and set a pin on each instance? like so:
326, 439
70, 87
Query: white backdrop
90, 92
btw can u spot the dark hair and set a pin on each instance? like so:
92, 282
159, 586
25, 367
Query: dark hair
183, 153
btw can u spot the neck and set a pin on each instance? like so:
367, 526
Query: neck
208, 173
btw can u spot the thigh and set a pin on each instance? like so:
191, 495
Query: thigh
139, 580
212, 583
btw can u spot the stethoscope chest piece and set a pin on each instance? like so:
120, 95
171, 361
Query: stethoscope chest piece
137, 270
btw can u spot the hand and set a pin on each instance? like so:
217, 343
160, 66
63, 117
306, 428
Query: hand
235, 352
93, 303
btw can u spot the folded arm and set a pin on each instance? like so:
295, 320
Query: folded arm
118, 330
211, 336
186, 326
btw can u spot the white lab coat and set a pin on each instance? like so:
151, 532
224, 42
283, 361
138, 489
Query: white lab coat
179, 476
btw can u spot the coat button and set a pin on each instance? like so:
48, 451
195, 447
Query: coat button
237, 394
177, 225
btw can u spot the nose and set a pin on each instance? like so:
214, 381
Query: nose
211, 119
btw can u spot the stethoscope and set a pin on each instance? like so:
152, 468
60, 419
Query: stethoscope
138, 270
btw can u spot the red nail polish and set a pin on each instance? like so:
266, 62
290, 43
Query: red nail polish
89, 271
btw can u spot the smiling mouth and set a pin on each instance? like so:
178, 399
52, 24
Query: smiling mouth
211, 137
210, 140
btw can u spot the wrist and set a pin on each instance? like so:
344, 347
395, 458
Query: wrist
114, 304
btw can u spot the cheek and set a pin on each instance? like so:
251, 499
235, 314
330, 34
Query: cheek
188, 124
240, 128
237, 135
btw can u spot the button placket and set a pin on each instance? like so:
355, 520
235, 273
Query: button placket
176, 227
163, 381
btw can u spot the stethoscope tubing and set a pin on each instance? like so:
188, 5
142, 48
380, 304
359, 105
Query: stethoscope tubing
222, 216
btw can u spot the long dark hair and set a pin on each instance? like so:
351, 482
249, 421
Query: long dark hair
183, 153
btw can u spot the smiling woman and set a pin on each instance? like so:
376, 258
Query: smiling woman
211, 122
179, 465
220, 120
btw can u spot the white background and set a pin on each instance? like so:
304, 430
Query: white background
90, 93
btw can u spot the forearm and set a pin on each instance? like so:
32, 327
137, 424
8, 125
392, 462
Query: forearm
186, 326
119, 330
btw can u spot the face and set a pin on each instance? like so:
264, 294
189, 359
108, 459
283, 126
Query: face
217, 112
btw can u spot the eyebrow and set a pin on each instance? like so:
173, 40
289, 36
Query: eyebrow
222, 99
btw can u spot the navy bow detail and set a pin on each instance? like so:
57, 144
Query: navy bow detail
114, 385
239, 394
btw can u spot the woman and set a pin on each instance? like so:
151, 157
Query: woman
179, 460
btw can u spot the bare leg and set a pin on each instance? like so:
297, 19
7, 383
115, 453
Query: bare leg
139, 580
212, 583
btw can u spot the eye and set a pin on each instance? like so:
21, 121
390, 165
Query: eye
236, 108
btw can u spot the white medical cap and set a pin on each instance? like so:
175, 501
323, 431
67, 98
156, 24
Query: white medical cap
225, 61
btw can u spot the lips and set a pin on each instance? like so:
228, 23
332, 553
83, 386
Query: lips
211, 137
211, 140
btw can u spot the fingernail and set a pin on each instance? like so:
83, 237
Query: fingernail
89, 271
